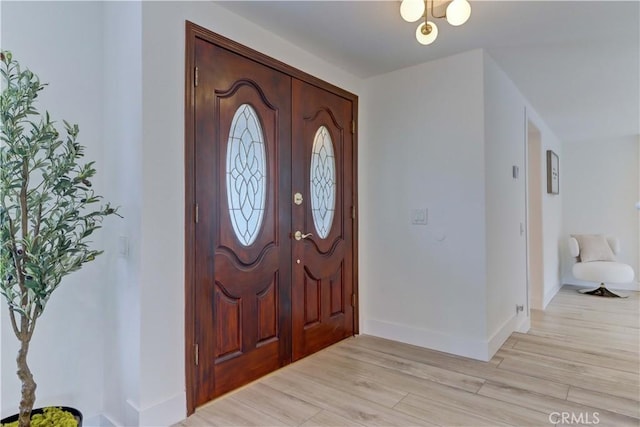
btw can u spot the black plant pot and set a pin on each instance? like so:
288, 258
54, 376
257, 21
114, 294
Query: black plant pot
73, 411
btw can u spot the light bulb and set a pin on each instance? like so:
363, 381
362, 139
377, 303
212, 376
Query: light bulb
426, 33
411, 10
458, 12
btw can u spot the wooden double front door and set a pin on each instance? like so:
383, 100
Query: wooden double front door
273, 231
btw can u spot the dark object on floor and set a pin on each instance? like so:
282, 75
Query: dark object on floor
602, 291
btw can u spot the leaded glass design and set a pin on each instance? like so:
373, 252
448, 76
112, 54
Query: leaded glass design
323, 182
246, 174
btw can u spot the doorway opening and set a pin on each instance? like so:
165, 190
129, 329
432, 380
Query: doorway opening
535, 247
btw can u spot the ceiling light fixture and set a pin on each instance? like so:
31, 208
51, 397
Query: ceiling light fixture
456, 12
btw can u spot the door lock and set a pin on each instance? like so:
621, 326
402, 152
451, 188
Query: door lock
297, 199
299, 235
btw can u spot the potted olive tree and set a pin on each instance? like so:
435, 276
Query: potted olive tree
48, 211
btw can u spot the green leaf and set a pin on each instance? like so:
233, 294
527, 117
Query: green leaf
61, 207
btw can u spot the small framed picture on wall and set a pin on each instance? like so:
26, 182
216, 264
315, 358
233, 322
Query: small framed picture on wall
553, 173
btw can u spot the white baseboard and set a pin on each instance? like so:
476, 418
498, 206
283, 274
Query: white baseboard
548, 295
633, 286
131, 414
461, 346
524, 324
519, 323
165, 413
107, 422
161, 414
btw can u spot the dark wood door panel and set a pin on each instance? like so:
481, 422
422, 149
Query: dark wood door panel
243, 255
324, 302
246, 316
239, 371
322, 311
321, 264
256, 297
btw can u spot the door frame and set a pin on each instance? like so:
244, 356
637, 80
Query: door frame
194, 32
534, 221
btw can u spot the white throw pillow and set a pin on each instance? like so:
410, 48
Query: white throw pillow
594, 247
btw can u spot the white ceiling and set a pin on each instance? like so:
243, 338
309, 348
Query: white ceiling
577, 62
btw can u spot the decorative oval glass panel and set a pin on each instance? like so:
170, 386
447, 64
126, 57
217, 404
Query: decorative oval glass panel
323, 182
246, 174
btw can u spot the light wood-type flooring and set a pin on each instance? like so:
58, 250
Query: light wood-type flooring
578, 365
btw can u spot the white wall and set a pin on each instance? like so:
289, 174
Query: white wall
507, 113
423, 147
122, 151
600, 179
445, 135
67, 352
505, 139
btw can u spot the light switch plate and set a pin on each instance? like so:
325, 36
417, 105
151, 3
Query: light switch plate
123, 246
419, 216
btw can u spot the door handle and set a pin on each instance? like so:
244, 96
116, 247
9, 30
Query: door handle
299, 235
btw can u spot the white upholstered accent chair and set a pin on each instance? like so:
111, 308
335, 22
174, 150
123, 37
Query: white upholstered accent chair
596, 262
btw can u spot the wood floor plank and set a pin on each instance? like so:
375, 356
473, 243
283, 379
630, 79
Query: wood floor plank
548, 405
577, 368
588, 329
391, 377
552, 344
509, 342
334, 375
229, 412
495, 360
618, 318
329, 419
586, 333
422, 390
528, 381
581, 356
485, 407
284, 407
596, 399
586, 355
560, 334
443, 415
463, 365
335, 400
196, 420
410, 367
552, 373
